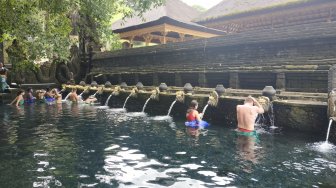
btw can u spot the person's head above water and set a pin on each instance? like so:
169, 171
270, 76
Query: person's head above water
20, 92
249, 99
193, 104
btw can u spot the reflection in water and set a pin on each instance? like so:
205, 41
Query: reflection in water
195, 132
246, 146
84, 146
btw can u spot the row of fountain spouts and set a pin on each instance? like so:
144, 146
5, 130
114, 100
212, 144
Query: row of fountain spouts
220, 88
124, 105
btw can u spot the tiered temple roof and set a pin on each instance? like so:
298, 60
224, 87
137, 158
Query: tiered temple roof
238, 16
170, 22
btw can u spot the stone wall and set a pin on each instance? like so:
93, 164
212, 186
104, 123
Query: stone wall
294, 59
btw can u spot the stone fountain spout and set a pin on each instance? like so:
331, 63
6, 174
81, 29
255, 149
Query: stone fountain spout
155, 94
265, 102
134, 92
332, 104
116, 91
213, 99
180, 96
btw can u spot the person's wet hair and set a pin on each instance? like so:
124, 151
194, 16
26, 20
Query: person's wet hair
193, 104
248, 99
19, 92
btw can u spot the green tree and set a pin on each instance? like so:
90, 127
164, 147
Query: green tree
43, 27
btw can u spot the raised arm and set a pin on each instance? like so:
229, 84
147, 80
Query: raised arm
13, 101
260, 109
198, 116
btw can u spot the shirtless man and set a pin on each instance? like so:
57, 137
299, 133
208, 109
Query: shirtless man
247, 114
73, 96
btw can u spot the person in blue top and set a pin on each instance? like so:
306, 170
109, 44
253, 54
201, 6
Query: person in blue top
49, 96
28, 97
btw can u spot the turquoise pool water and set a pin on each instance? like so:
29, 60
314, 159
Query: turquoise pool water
90, 146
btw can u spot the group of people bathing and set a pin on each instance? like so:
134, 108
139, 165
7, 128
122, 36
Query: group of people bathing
246, 115
48, 96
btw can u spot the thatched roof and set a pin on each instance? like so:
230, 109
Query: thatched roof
228, 8
174, 9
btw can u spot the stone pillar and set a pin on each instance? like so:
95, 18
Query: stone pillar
234, 80
332, 78
136, 78
178, 80
332, 104
202, 82
280, 81
163, 39
119, 78
155, 79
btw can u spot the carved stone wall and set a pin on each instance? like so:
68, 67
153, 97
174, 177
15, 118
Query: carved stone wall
294, 58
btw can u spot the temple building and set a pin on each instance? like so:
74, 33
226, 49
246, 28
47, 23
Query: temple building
232, 16
170, 22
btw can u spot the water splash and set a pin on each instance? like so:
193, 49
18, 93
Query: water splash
95, 94
323, 147
260, 119
271, 116
144, 107
126, 100
81, 93
107, 101
330, 122
66, 98
204, 109
171, 107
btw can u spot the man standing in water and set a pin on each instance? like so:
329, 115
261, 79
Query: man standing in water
247, 114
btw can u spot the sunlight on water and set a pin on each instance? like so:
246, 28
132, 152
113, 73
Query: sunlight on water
117, 110
102, 107
135, 114
161, 118
89, 146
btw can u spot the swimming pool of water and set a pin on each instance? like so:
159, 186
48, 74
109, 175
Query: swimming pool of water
90, 146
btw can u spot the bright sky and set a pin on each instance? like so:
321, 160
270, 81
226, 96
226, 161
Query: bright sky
204, 3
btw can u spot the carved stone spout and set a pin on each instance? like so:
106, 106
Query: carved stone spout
332, 103
264, 102
180, 96
86, 89
116, 91
100, 90
134, 92
213, 99
155, 94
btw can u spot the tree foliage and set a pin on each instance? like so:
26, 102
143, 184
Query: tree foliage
43, 27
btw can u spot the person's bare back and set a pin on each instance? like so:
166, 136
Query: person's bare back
247, 113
